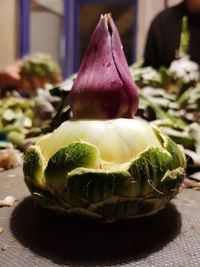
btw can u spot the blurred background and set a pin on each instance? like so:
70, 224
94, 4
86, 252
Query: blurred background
62, 28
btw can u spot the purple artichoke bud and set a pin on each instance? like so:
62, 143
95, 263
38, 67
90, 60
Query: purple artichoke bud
104, 88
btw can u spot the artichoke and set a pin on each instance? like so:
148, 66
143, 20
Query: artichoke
40, 65
102, 163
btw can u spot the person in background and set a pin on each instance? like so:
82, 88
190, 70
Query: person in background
164, 34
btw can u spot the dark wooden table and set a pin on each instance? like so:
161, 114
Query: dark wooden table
36, 237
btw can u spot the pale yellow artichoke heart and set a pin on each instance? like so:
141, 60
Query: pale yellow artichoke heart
118, 140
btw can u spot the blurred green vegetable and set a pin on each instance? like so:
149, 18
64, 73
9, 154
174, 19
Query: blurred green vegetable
39, 65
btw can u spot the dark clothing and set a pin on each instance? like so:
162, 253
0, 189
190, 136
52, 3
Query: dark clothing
164, 36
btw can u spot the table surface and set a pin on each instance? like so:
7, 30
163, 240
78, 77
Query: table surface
36, 237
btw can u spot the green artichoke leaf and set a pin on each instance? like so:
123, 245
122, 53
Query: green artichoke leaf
76, 154
34, 164
171, 181
118, 209
151, 168
175, 150
9, 115
95, 185
194, 130
45, 196
16, 138
180, 137
148, 169
161, 113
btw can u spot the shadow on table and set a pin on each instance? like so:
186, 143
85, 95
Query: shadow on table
70, 241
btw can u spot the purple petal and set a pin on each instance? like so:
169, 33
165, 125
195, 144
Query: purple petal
130, 88
104, 88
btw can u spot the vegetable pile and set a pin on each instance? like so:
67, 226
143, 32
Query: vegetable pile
22, 118
103, 163
170, 99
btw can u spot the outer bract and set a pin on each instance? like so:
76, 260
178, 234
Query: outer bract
105, 169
